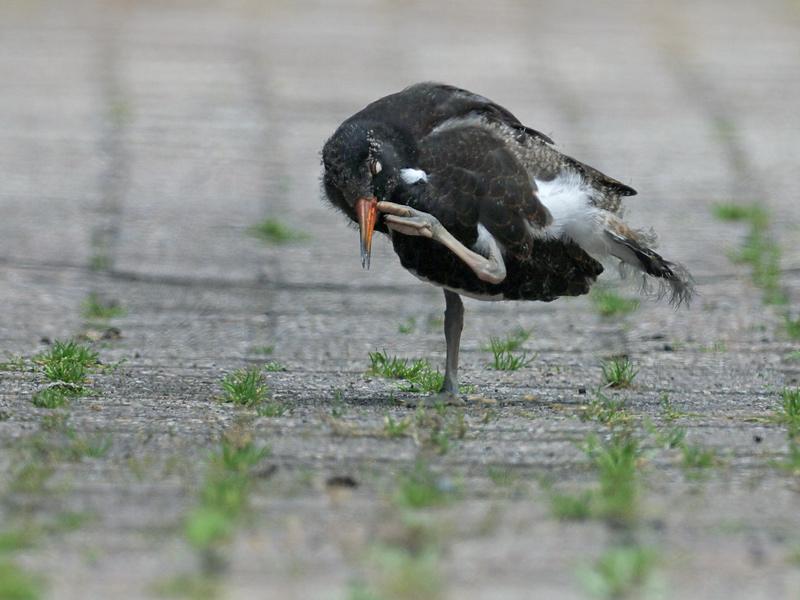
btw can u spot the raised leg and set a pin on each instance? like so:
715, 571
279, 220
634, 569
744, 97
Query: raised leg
409, 221
453, 324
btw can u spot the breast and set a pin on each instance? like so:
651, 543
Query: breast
555, 269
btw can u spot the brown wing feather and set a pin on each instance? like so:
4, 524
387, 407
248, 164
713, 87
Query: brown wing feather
474, 174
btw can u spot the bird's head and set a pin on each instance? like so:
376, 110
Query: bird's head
362, 163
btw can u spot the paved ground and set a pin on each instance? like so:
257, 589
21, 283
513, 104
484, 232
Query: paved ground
139, 142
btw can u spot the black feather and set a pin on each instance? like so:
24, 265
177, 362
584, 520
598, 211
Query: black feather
676, 276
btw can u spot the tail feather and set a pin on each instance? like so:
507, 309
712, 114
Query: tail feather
571, 200
676, 281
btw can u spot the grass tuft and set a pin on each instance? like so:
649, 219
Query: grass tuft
407, 326
759, 249
274, 232
422, 488
502, 476
788, 412
99, 262
793, 327
618, 372
94, 446
714, 347
621, 572
50, 397
616, 463
615, 498
67, 366
90, 446
67, 362
207, 526
96, 308
13, 540
696, 458
66, 372
572, 507
668, 411
15, 363
272, 409
245, 387
513, 341
605, 410
223, 497
792, 462
338, 406
752, 213
17, 584
406, 575
669, 437
418, 374
610, 304
395, 429
435, 429
503, 350
358, 590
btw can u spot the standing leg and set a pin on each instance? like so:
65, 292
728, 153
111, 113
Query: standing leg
453, 323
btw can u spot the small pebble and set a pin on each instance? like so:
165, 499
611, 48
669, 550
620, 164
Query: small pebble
345, 481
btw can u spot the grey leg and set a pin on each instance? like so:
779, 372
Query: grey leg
453, 323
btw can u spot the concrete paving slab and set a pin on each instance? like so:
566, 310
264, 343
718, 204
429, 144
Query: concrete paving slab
140, 142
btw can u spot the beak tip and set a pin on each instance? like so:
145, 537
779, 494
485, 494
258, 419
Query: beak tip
367, 214
365, 256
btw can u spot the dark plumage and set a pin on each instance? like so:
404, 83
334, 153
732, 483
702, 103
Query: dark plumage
480, 204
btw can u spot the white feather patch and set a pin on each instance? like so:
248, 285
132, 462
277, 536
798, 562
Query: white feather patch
457, 122
486, 242
567, 197
410, 176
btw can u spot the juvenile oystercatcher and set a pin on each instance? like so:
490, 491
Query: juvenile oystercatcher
481, 205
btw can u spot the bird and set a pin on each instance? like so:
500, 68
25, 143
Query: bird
483, 206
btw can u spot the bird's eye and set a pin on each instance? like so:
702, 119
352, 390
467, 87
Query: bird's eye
375, 167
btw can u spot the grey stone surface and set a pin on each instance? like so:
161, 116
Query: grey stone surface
147, 138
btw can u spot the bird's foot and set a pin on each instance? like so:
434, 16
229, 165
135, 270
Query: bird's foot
436, 400
408, 221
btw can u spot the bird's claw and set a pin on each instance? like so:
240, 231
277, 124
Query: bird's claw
407, 220
401, 210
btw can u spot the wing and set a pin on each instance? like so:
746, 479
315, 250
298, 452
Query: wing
421, 108
603, 182
455, 102
450, 102
474, 179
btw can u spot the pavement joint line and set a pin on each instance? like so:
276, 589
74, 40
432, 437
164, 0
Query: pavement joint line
15, 263
227, 100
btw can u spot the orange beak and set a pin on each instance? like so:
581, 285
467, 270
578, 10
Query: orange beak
367, 214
